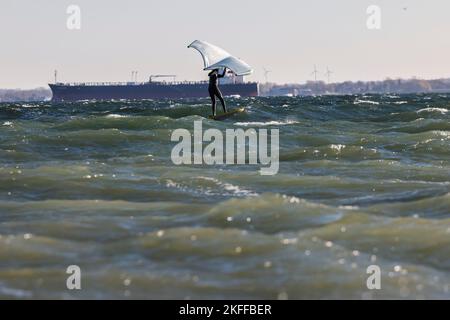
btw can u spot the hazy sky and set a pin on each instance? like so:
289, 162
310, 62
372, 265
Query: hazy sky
286, 36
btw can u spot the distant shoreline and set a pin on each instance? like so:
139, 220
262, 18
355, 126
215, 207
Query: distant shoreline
25, 95
393, 86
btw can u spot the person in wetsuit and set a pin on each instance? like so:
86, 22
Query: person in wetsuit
214, 89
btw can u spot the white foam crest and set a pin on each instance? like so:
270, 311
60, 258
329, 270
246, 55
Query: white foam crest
432, 109
358, 101
116, 116
268, 123
237, 190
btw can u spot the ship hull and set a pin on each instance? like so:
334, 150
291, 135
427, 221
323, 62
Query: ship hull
77, 92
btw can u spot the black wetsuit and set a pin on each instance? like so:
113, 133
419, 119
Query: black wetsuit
214, 89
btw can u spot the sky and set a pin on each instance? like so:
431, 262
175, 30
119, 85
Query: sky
287, 37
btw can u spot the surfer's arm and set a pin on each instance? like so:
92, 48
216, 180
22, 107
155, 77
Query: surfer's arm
223, 74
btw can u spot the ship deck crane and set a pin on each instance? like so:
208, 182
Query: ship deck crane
163, 76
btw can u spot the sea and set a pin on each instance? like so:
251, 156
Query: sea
93, 207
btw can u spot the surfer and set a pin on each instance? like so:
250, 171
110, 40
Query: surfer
214, 89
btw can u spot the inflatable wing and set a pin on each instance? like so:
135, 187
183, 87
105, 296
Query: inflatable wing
215, 58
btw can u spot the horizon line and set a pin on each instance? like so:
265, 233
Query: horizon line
46, 86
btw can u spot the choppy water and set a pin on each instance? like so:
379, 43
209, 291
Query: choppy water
363, 180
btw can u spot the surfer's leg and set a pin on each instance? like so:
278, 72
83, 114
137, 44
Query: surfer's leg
213, 102
222, 101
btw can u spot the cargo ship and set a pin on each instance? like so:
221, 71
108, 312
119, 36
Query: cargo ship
230, 85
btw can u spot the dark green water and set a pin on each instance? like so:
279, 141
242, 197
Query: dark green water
363, 180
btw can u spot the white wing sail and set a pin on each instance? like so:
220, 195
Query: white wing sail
215, 57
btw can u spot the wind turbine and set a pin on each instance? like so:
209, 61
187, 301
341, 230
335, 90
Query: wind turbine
315, 72
328, 74
266, 74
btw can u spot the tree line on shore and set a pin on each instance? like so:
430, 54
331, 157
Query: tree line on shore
30, 95
399, 86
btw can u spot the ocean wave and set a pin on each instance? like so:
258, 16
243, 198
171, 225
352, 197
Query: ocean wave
210, 186
420, 125
115, 122
359, 101
28, 105
432, 207
228, 187
350, 152
438, 110
257, 214
14, 293
117, 116
267, 123
400, 102
394, 238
